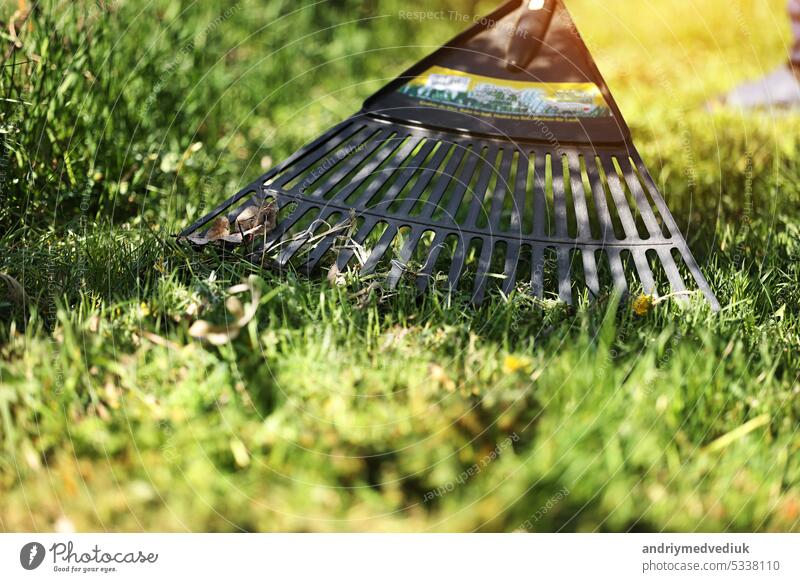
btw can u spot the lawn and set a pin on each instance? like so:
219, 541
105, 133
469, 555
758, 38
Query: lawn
330, 410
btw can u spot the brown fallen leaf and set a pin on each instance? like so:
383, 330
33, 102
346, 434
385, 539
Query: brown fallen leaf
335, 276
216, 335
271, 216
221, 334
247, 219
253, 220
235, 307
258, 216
220, 229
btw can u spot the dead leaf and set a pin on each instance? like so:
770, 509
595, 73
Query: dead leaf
235, 307
220, 229
253, 217
335, 276
216, 335
243, 314
252, 221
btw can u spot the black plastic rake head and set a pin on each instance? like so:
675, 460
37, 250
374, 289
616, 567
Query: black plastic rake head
502, 155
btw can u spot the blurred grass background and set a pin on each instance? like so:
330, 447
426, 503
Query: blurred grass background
124, 121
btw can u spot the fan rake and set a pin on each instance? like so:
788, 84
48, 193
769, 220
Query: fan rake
501, 159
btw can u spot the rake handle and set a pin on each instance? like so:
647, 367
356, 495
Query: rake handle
528, 34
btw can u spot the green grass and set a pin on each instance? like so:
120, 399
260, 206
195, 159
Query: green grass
329, 413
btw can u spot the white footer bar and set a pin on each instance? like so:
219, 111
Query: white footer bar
400, 558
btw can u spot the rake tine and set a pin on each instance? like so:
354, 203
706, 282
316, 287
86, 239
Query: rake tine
425, 274
537, 271
578, 195
426, 176
396, 150
460, 152
484, 263
641, 200
513, 248
399, 264
380, 249
460, 190
564, 275
539, 200
590, 271
621, 202
513, 252
386, 149
319, 250
256, 187
296, 169
645, 274
287, 223
382, 176
599, 193
295, 245
403, 176
520, 183
674, 276
559, 198
382, 141
343, 164
666, 215
457, 266
332, 134
478, 195
501, 189
346, 254
699, 278
617, 270
274, 239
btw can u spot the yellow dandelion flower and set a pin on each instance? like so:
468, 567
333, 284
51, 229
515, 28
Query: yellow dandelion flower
642, 305
514, 364
144, 309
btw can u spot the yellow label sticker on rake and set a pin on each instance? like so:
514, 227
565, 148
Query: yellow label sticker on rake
502, 98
